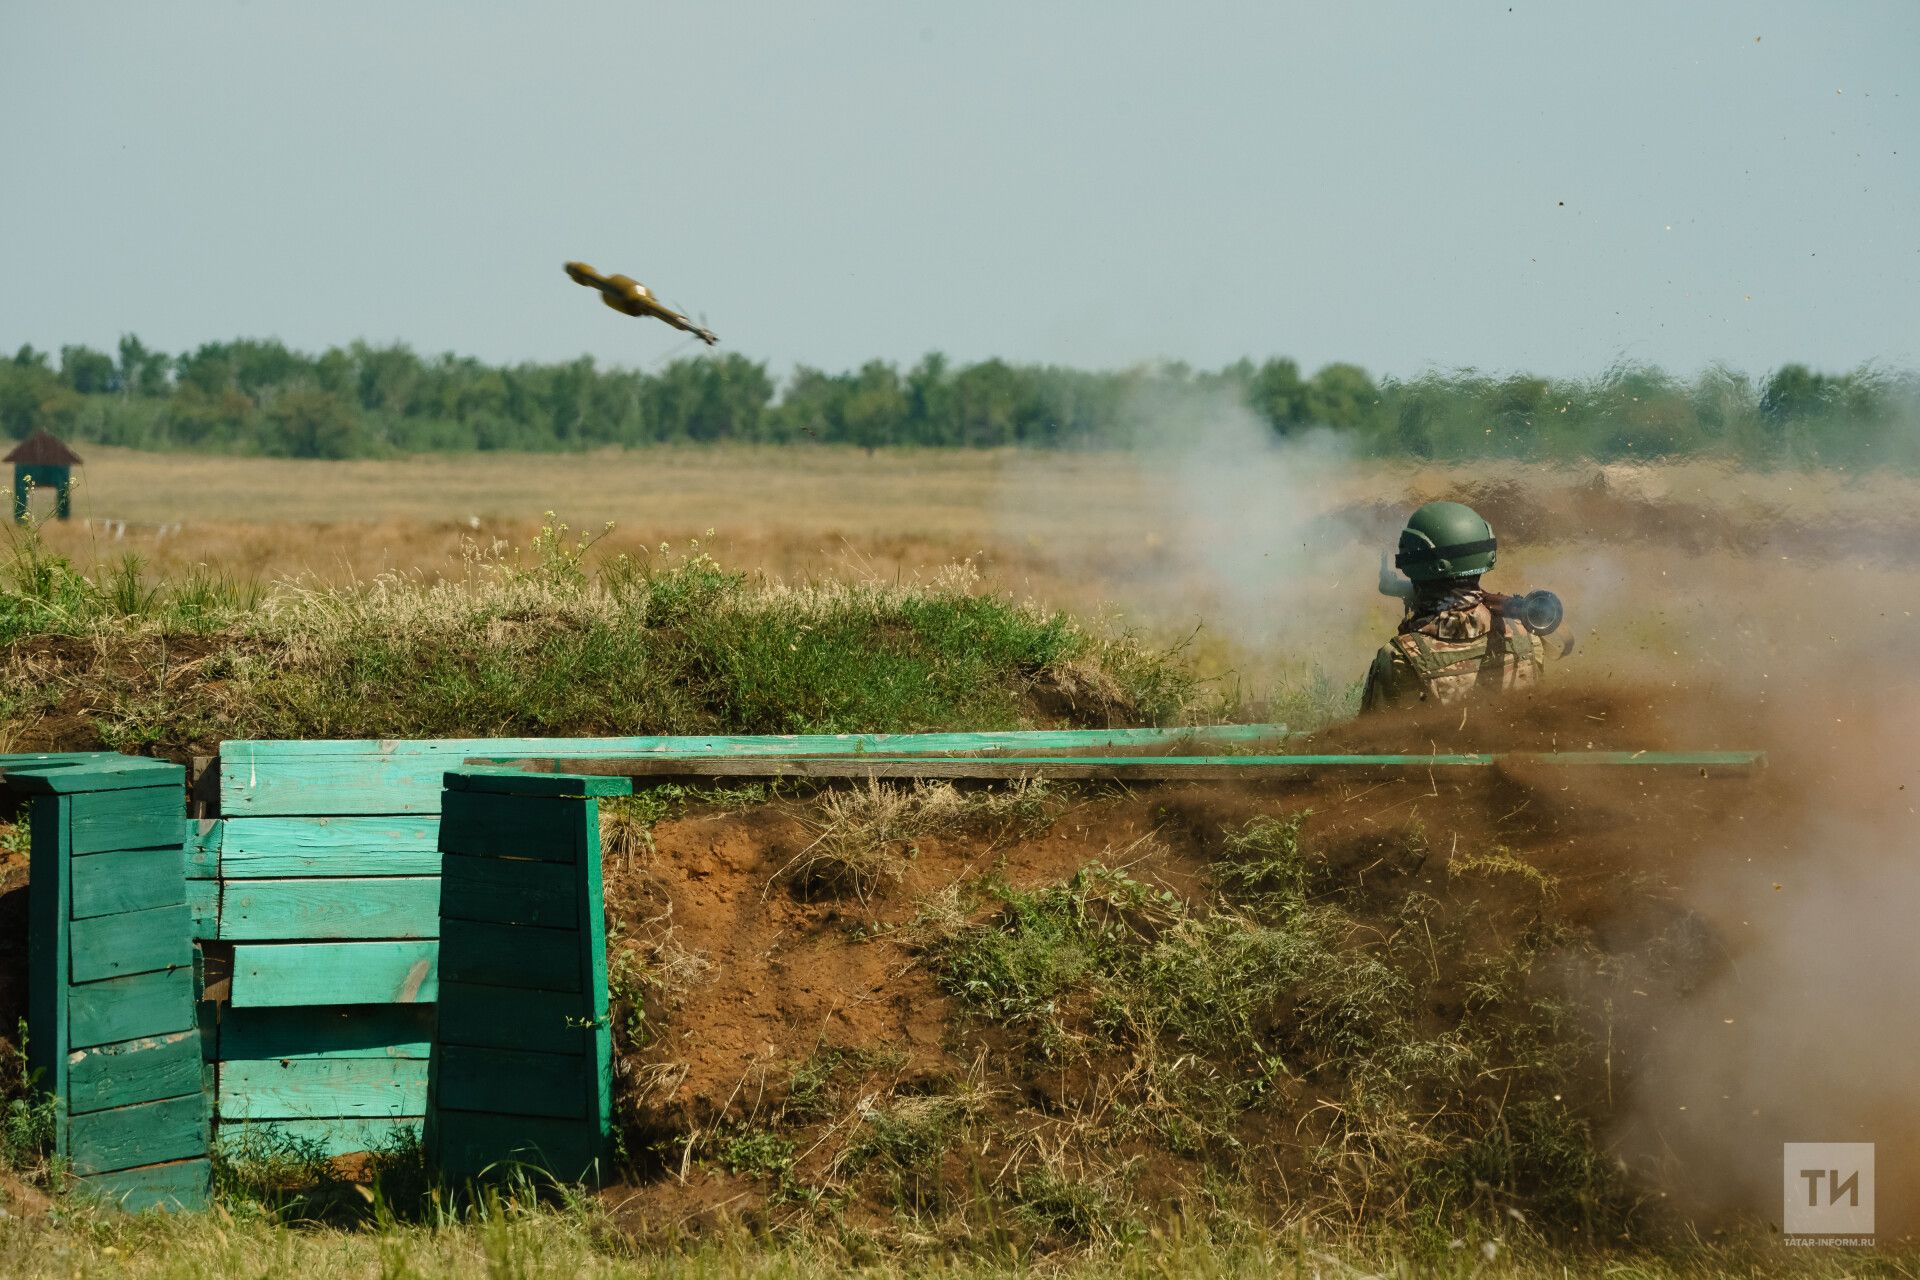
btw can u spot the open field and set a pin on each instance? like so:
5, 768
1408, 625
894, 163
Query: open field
1260, 563
1175, 1030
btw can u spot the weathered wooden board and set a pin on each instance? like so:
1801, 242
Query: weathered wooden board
146, 1004
514, 1082
345, 1031
473, 1143
500, 955
126, 880
202, 847
118, 1075
546, 784
148, 1133
384, 777
349, 846
175, 1185
513, 826
327, 973
144, 819
510, 892
74, 772
48, 908
314, 1088
383, 907
203, 904
514, 1017
135, 942
333, 1136
1123, 768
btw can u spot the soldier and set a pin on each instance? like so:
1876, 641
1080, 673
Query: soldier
1454, 642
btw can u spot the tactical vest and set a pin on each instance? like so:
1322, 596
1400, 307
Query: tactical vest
1417, 667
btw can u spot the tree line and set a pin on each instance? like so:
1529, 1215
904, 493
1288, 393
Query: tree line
257, 396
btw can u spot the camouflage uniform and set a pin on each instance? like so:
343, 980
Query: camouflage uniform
1450, 647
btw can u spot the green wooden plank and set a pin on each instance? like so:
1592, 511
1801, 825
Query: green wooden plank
135, 942
509, 826
202, 844
593, 916
49, 904
513, 1082
203, 903
127, 880
144, 819
346, 1031
332, 1136
118, 1075
148, 1133
176, 1185
265, 778
74, 772
384, 907
1130, 768
502, 955
510, 891
475, 1144
326, 973
319, 1087
514, 1018
350, 846
517, 782
145, 1004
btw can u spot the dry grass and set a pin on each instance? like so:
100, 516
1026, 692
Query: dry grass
864, 836
1221, 563
527, 1243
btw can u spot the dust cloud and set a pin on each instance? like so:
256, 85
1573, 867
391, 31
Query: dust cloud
1252, 546
1804, 1029
1715, 608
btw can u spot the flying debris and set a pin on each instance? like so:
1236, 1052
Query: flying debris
628, 296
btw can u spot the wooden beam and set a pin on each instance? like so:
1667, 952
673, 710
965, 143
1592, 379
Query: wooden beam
1289, 768
331, 778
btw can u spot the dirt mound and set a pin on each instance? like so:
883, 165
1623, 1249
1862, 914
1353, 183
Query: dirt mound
1348, 996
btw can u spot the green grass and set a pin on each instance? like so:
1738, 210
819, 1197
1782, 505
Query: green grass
542, 641
864, 837
27, 1118
523, 1238
1205, 1018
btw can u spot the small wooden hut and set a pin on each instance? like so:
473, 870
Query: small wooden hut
43, 461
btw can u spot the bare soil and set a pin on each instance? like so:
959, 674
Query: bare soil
776, 979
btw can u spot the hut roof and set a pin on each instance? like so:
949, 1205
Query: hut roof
42, 449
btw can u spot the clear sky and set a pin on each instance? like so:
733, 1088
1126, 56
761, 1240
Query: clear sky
1552, 187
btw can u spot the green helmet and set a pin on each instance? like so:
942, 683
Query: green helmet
1445, 540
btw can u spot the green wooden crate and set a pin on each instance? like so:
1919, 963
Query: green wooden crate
523, 1065
114, 1030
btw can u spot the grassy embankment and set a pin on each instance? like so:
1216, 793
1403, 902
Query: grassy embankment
533, 642
1167, 1000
